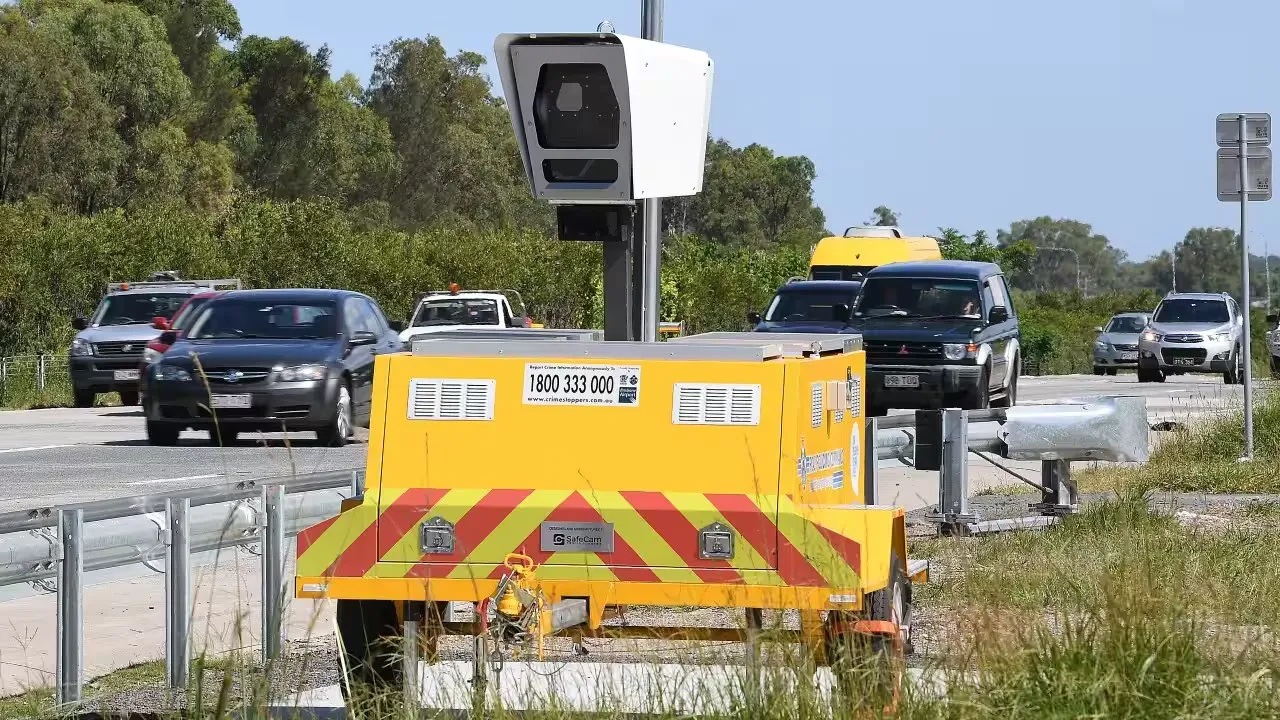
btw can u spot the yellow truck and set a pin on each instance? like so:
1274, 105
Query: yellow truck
850, 256
549, 483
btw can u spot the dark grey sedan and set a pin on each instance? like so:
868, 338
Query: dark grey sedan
271, 361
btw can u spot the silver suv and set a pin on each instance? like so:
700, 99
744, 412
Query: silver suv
1193, 332
1116, 345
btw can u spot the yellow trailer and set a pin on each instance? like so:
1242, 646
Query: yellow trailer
550, 482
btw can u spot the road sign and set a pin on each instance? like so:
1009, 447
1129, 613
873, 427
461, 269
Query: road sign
1259, 174
1257, 129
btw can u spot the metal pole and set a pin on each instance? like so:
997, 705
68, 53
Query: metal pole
1174, 263
870, 461
177, 593
618, 282
1244, 291
1060, 495
70, 654
651, 12
953, 477
412, 640
40, 373
272, 572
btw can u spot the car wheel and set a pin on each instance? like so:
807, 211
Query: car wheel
84, 398
1011, 393
129, 398
1099, 371
340, 429
1112, 371
162, 434
1235, 375
1275, 368
1146, 376
979, 398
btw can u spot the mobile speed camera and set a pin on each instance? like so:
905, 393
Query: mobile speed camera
603, 118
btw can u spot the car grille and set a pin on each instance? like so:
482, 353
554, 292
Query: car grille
244, 376
1196, 354
895, 352
1183, 338
120, 349
1125, 348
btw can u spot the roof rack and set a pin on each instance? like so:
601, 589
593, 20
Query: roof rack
871, 231
232, 284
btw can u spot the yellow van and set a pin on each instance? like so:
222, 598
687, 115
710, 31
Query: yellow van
850, 256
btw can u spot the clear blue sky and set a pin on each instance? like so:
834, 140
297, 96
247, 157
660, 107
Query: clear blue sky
969, 114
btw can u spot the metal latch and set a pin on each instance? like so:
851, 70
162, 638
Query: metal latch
715, 542
437, 537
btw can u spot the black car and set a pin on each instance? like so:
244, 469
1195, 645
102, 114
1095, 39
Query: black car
938, 334
808, 306
271, 360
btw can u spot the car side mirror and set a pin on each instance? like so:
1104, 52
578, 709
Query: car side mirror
160, 323
168, 337
362, 337
753, 318
1097, 329
998, 314
397, 325
79, 323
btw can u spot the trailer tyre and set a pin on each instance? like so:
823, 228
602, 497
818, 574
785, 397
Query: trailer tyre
370, 632
865, 667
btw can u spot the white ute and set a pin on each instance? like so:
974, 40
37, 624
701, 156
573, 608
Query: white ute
451, 309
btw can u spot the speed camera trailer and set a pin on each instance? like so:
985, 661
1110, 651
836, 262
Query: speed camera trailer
606, 119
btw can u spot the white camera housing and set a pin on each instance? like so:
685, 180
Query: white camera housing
603, 118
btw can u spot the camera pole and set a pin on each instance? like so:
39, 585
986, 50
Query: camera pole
648, 258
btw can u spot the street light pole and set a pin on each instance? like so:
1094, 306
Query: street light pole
651, 12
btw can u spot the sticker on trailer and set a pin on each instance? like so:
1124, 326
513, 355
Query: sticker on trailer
566, 384
821, 471
855, 457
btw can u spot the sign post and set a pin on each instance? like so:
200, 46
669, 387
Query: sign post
1243, 137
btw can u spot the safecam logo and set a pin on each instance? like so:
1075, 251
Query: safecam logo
557, 539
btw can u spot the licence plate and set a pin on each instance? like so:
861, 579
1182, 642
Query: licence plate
231, 401
1185, 362
901, 381
127, 374
1128, 356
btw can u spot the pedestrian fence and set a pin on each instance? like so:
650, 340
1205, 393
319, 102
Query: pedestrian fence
54, 547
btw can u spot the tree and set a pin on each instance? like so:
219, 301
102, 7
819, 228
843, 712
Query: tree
882, 216
750, 197
458, 156
1065, 250
1015, 257
1209, 261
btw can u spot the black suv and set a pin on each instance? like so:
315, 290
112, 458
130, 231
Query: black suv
808, 306
271, 360
938, 334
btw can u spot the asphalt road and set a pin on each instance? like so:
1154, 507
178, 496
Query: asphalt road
60, 456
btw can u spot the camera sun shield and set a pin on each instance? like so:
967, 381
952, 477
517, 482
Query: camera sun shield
606, 119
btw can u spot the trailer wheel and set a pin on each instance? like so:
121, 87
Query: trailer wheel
370, 632
867, 665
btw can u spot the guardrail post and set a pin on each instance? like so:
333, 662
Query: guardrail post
952, 514
870, 460
177, 594
272, 572
40, 373
1060, 496
70, 655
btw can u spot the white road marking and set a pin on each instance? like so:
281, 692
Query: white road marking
173, 480
37, 447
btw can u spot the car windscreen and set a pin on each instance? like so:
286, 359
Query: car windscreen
187, 313
243, 318
919, 297
456, 311
1127, 324
809, 306
1186, 310
137, 308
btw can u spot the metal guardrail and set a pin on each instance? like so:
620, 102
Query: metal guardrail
64, 542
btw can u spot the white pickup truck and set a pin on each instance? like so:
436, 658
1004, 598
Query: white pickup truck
451, 309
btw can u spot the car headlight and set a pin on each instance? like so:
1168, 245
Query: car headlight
171, 372
959, 351
297, 373
80, 348
1151, 336
1220, 337
1100, 345
151, 355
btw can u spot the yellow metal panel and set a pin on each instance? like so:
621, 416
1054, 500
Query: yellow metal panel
858, 251
833, 450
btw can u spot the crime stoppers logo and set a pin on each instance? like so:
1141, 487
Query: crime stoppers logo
823, 471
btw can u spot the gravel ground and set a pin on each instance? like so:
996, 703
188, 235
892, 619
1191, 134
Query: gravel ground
314, 663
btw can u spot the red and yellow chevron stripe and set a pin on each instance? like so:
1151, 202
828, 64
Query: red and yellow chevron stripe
777, 543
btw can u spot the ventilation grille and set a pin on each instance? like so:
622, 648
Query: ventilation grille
451, 399
815, 411
710, 404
